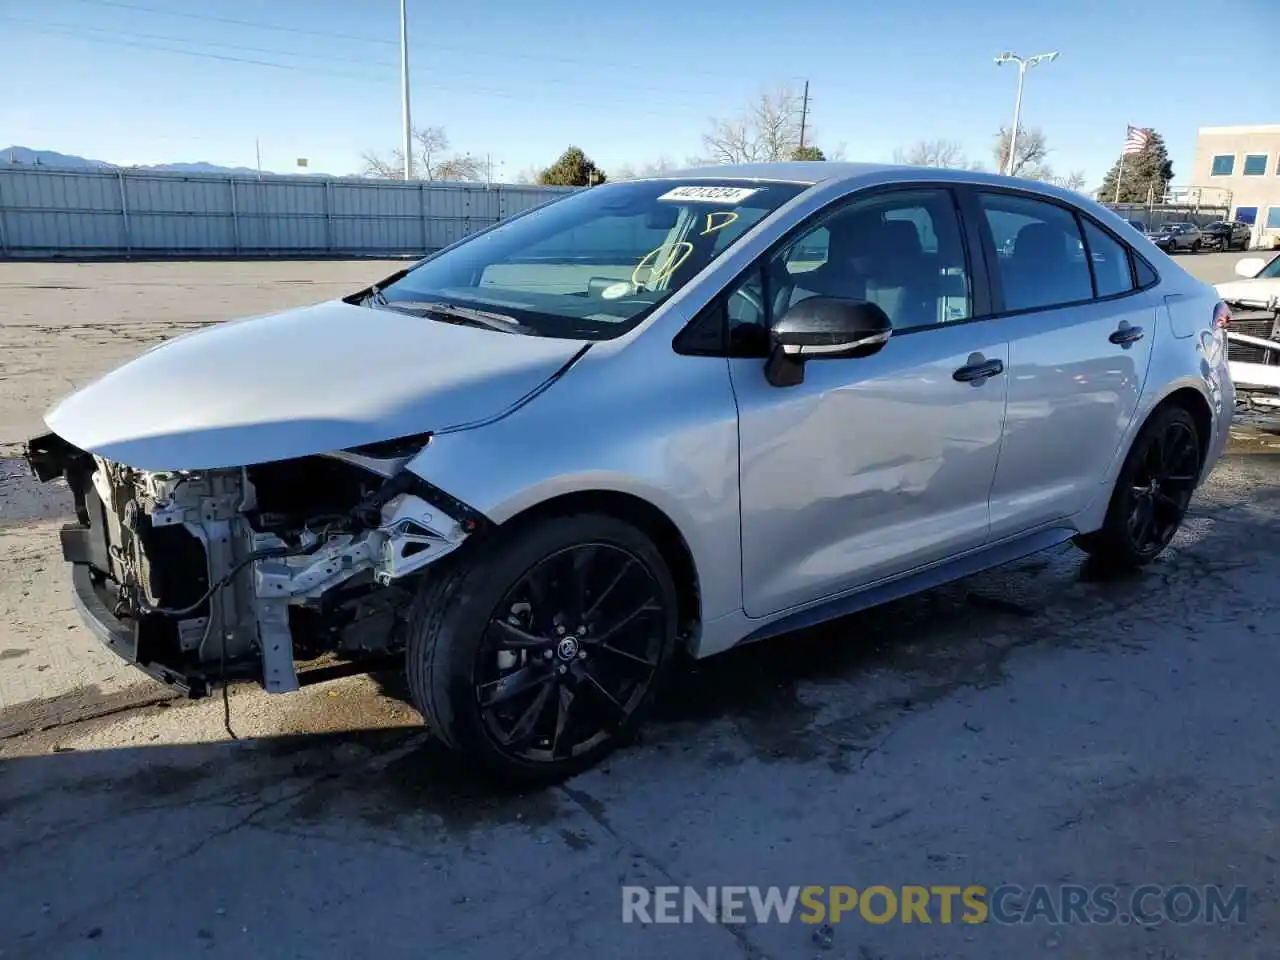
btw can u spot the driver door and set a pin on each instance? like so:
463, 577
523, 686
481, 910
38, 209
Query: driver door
871, 466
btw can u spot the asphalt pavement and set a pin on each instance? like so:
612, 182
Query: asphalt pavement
1037, 726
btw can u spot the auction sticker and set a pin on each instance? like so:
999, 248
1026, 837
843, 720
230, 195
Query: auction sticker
697, 194
615, 290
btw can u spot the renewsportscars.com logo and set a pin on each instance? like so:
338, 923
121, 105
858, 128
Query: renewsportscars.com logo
1146, 904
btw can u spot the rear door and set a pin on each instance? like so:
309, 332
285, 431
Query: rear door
1080, 331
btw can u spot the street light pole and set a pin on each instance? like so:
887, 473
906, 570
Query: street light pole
404, 93
1023, 64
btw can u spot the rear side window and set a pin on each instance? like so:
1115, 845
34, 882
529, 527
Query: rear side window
1110, 262
1040, 256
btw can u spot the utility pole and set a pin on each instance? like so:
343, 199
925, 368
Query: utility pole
1023, 64
804, 113
404, 93
257, 149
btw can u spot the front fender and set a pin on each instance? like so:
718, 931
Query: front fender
668, 436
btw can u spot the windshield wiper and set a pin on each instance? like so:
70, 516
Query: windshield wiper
466, 315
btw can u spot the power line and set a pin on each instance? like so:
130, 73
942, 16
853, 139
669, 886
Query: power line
651, 107
65, 31
241, 23
78, 30
469, 51
75, 29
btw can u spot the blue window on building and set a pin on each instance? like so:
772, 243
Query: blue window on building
1247, 215
1255, 164
1273, 218
1223, 165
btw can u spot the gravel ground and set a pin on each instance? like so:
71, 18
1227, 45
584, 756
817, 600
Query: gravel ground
1037, 725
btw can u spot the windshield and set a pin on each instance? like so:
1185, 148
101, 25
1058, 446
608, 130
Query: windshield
590, 266
1271, 271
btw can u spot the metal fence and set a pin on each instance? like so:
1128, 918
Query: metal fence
131, 213
1156, 215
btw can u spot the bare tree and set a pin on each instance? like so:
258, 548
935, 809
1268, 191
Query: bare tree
429, 160
464, 167
769, 129
1029, 157
528, 174
653, 168
935, 153
1072, 181
380, 168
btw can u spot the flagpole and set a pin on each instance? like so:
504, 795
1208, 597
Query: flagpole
1119, 177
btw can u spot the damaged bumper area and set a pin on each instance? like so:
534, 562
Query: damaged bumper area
1253, 352
203, 577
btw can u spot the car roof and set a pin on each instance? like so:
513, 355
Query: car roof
811, 172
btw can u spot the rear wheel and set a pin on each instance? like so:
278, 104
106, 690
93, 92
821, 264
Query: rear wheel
1151, 494
541, 653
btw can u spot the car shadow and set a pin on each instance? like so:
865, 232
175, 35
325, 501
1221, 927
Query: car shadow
825, 695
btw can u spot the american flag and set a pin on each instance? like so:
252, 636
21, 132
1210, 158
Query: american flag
1136, 140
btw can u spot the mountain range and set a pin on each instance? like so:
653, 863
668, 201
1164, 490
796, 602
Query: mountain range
26, 156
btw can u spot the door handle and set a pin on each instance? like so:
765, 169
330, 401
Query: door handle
1126, 335
977, 372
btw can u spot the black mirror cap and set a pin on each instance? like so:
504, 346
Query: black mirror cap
830, 322
830, 327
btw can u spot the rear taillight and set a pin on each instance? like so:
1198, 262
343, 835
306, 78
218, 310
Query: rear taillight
1221, 315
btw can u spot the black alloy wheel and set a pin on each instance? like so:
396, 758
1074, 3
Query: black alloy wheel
1152, 492
1161, 487
570, 653
539, 649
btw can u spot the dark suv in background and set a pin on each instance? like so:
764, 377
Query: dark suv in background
1227, 235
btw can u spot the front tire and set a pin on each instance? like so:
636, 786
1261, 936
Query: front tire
1151, 494
538, 653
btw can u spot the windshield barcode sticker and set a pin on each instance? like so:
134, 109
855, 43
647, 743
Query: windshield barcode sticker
710, 194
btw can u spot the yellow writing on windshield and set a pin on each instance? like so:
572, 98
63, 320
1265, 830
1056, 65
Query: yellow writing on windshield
677, 253
718, 221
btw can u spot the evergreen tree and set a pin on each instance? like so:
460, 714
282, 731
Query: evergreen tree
1151, 170
808, 153
573, 169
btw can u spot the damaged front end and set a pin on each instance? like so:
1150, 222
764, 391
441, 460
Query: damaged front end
1253, 352
201, 577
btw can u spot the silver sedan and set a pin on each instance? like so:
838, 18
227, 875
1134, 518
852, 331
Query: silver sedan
672, 414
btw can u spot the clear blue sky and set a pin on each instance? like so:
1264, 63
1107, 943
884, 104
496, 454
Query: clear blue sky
627, 82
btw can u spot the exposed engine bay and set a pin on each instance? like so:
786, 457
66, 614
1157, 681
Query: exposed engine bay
210, 576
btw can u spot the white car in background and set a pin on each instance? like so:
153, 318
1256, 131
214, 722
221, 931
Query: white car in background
1253, 339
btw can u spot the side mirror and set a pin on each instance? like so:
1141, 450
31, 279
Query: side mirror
1250, 267
824, 327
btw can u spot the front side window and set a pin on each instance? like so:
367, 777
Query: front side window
901, 250
590, 266
1111, 272
1040, 256
1255, 165
1223, 165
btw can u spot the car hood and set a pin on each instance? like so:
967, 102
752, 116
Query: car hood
1249, 291
302, 382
